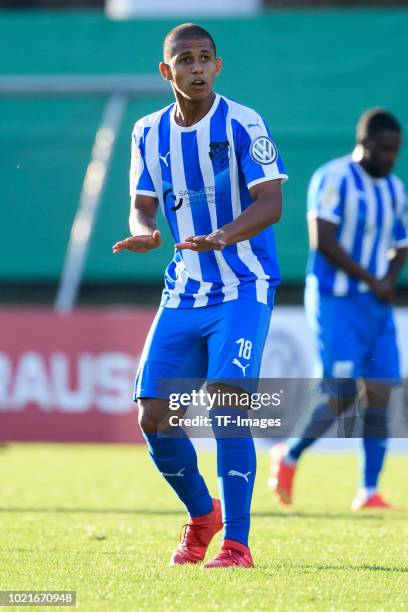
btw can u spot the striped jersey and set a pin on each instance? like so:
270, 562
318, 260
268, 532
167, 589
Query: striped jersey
371, 219
201, 176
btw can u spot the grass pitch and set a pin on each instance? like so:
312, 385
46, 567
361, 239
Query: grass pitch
99, 520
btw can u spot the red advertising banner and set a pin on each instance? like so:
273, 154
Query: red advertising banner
69, 378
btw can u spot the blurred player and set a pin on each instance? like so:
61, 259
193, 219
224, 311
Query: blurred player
358, 238
212, 167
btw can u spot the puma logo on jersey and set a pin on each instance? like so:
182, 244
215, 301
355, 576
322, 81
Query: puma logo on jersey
179, 473
164, 158
235, 473
239, 364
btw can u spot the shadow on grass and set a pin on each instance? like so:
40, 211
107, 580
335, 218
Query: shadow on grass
369, 515
365, 567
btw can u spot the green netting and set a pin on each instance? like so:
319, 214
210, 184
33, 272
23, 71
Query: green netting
310, 73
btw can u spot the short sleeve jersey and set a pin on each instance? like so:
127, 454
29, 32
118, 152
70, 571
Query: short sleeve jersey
371, 219
201, 176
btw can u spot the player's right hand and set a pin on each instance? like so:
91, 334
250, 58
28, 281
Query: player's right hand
139, 244
384, 289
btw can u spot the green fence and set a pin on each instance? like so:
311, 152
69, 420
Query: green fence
310, 73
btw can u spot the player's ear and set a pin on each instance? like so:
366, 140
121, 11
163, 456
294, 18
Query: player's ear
218, 65
367, 142
165, 71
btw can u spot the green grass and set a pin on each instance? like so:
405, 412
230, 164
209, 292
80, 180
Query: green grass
101, 521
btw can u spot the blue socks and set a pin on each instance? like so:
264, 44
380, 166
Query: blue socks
236, 469
375, 433
321, 418
175, 457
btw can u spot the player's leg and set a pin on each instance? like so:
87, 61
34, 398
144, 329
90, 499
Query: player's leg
336, 326
374, 445
382, 372
284, 457
336, 397
174, 455
236, 339
173, 351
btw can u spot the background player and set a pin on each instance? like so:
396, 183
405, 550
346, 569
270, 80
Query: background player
358, 238
211, 165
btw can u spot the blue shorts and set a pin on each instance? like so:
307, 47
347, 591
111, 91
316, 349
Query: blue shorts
356, 337
217, 342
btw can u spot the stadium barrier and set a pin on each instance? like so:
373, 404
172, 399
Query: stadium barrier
69, 378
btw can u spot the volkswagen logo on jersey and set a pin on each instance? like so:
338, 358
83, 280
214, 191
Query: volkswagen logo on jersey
263, 150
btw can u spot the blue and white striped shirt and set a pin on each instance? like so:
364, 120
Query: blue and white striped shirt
371, 219
201, 176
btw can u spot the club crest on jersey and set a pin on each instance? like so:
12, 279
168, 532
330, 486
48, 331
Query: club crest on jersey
263, 150
330, 197
220, 154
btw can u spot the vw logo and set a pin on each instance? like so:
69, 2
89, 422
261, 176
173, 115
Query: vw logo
263, 150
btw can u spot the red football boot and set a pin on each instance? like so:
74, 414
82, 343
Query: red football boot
198, 533
282, 475
231, 554
376, 501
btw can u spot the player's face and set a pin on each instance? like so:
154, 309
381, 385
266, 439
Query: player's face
381, 152
192, 68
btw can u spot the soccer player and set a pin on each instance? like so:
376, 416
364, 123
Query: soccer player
213, 168
358, 238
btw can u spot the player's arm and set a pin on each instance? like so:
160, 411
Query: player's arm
322, 237
142, 222
143, 201
396, 264
265, 210
398, 254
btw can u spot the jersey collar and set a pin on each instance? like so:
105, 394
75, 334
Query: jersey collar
202, 121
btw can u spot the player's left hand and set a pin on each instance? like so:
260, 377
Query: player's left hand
211, 242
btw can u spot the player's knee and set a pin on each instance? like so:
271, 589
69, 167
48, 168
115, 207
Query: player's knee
377, 393
341, 403
146, 418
